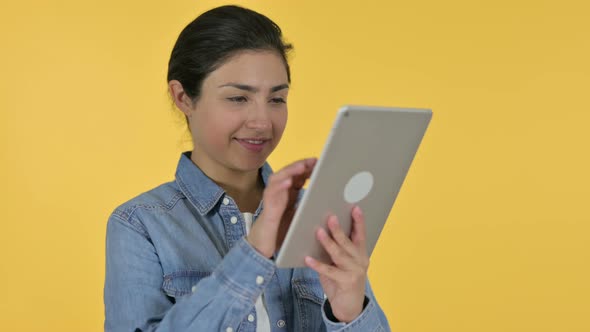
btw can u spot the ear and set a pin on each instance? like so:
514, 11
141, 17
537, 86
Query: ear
181, 99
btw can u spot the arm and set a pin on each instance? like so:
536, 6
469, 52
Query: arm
134, 300
371, 318
350, 304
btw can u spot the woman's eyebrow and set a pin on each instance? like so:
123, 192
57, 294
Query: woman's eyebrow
279, 87
250, 88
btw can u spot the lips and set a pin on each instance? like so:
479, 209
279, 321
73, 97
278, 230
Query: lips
253, 144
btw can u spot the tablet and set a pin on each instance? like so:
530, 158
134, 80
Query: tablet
364, 162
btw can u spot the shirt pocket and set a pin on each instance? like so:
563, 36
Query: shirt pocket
309, 289
309, 297
182, 283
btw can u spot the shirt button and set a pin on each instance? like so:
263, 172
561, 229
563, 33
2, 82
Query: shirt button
250, 318
229, 329
194, 288
225, 201
281, 323
259, 280
234, 220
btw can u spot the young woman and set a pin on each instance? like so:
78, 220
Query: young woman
196, 254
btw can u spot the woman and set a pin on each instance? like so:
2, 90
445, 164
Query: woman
187, 255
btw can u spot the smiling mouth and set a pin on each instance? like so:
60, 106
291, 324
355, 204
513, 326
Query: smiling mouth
253, 140
253, 144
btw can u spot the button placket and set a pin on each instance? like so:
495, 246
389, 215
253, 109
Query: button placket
232, 221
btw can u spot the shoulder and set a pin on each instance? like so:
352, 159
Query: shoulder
159, 199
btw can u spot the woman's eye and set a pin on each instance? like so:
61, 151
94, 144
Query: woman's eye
238, 99
278, 100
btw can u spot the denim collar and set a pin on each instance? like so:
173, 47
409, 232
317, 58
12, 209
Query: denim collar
199, 189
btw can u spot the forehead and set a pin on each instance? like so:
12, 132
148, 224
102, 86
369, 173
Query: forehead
255, 68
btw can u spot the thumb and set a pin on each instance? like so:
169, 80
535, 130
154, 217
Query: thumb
275, 202
263, 235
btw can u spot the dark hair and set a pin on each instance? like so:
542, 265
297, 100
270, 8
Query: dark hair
215, 36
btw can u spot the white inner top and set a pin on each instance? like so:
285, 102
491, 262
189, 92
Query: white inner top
263, 321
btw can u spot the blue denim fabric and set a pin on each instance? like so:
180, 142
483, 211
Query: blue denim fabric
176, 262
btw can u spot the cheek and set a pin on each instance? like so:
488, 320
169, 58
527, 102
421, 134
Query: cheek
217, 132
280, 122
217, 128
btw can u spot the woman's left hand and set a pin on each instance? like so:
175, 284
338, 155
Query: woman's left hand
344, 280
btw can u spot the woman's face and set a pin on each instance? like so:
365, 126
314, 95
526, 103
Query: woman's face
241, 114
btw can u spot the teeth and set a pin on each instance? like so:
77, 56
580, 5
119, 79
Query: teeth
253, 142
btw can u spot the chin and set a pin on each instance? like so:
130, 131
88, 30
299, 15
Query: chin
252, 165
252, 162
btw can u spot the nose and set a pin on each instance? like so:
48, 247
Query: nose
258, 118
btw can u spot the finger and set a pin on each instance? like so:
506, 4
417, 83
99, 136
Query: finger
340, 237
276, 179
283, 179
277, 195
300, 179
296, 168
338, 254
276, 199
330, 271
359, 230
278, 186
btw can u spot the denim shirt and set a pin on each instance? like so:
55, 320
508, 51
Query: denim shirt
177, 260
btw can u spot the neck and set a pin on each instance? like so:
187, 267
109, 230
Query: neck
247, 197
244, 187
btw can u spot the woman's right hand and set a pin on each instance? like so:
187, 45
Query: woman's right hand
279, 200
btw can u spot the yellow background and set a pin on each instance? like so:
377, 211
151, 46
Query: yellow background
491, 229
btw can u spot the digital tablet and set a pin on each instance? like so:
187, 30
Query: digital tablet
364, 162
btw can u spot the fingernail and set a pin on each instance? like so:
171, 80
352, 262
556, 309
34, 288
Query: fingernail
357, 210
333, 221
309, 260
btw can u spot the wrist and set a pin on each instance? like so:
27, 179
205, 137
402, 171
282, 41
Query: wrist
266, 252
340, 317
